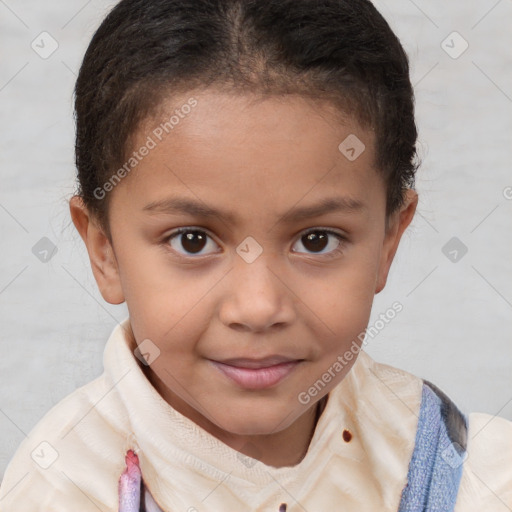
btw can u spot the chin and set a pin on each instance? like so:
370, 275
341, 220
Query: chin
251, 430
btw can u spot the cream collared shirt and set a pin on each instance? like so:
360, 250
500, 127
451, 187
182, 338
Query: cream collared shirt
72, 459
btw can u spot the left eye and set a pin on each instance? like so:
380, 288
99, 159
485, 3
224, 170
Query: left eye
317, 240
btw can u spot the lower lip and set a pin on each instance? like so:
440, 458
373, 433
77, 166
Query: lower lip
257, 378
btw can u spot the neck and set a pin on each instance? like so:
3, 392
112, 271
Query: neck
279, 449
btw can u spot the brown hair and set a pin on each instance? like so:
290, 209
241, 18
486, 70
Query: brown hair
145, 50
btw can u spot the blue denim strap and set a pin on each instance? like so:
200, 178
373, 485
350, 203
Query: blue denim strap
435, 469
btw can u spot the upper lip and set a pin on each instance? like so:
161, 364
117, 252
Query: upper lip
265, 362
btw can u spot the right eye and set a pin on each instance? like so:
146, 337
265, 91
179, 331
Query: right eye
191, 240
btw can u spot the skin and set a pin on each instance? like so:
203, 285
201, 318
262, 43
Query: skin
256, 158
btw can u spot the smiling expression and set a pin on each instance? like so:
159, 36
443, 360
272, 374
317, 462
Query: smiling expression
246, 233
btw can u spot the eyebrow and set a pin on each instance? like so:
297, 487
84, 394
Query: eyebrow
176, 205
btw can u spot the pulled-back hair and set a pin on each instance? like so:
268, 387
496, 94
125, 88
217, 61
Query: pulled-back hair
147, 50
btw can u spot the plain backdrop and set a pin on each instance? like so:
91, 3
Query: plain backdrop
452, 273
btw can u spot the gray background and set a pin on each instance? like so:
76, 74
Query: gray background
456, 323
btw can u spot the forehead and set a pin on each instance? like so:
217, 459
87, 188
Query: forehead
252, 153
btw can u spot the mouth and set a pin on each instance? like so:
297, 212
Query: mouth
264, 362
257, 373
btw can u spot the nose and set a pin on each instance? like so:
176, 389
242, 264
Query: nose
256, 297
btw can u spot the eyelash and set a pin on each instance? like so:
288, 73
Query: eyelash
342, 240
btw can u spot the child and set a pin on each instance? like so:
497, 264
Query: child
279, 137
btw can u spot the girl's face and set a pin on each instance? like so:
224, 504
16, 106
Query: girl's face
258, 268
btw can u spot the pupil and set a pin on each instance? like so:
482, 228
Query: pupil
193, 241
316, 242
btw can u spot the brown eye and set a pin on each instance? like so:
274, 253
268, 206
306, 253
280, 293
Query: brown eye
193, 242
189, 241
317, 240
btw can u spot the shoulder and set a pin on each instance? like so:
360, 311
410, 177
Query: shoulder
397, 384
487, 471
382, 399
486, 482
73, 456
379, 404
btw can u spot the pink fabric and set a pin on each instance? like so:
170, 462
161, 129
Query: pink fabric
130, 486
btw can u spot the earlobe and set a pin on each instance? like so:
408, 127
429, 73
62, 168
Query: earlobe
101, 254
397, 225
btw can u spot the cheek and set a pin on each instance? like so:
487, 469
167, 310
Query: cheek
174, 312
160, 298
347, 320
342, 306
345, 297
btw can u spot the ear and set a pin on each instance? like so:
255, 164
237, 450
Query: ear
101, 254
398, 222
